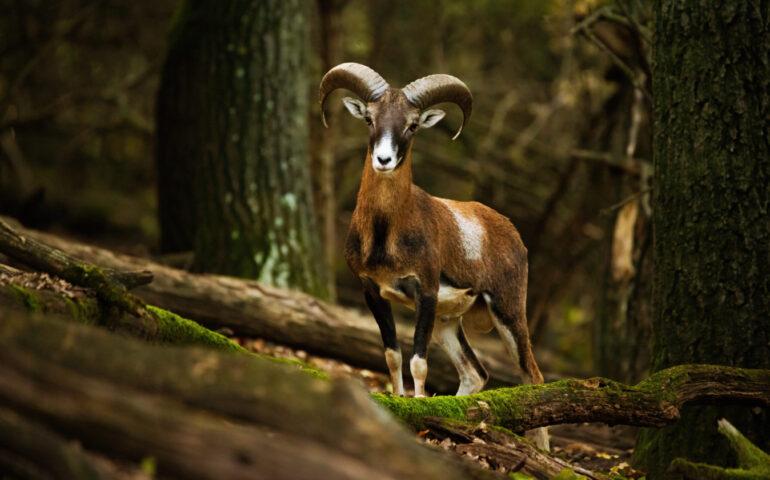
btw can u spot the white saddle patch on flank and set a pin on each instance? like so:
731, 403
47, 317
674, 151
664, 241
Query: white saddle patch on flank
471, 234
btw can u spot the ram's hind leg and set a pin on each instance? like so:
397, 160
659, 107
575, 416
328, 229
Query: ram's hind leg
449, 333
510, 319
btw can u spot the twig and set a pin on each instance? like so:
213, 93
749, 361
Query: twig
632, 168
626, 200
584, 28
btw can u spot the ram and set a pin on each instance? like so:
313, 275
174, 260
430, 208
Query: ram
459, 265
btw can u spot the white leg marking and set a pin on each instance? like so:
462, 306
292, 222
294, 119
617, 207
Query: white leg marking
393, 359
419, 368
541, 438
445, 333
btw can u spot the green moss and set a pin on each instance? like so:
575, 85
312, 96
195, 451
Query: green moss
703, 471
85, 311
177, 330
25, 297
519, 476
93, 277
490, 405
291, 361
568, 474
750, 457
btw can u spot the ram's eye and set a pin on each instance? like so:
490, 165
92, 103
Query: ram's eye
368, 120
413, 127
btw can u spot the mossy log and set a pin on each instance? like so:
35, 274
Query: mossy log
198, 413
146, 322
753, 463
288, 317
25, 292
109, 285
654, 402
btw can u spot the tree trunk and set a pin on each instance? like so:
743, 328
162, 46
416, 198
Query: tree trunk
712, 254
198, 413
232, 142
331, 33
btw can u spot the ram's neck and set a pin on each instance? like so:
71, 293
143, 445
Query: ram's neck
389, 194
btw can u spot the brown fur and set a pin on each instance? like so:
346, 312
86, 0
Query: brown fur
422, 239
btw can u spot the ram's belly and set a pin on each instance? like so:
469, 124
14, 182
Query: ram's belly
451, 302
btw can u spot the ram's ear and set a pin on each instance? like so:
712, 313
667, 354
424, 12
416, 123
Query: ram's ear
431, 117
356, 107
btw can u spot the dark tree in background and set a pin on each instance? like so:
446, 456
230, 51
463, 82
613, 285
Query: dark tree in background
712, 230
234, 180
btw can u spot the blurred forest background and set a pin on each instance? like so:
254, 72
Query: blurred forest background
559, 140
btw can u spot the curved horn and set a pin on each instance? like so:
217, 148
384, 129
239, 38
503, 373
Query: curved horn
427, 91
359, 79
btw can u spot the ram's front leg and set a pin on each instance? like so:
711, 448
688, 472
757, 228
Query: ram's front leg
426, 312
382, 314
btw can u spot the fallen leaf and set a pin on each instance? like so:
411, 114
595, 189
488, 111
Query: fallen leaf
592, 383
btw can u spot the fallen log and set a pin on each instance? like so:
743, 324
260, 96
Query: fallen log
654, 402
146, 322
199, 413
114, 306
110, 285
288, 317
235, 386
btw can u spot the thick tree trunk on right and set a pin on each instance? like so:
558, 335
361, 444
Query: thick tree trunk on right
712, 230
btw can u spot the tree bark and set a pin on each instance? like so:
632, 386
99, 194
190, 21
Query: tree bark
232, 142
331, 52
288, 317
199, 413
712, 94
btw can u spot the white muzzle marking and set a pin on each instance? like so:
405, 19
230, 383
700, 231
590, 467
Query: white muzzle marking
385, 148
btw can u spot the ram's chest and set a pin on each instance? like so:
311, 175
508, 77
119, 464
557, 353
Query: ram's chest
379, 246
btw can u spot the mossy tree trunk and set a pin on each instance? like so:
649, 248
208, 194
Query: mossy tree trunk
712, 231
234, 181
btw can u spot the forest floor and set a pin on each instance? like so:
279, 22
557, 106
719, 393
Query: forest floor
593, 446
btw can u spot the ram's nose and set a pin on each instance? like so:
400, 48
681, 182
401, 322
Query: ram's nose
384, 161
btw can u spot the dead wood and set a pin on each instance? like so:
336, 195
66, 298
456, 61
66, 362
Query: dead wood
654, 402
98, 295
200, 413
